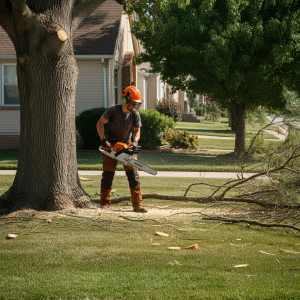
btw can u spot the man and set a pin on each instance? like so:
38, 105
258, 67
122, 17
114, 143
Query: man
120, 119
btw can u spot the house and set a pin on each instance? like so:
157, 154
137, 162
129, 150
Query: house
104, 49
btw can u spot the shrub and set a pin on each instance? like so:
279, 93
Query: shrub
224, 113
200, 110
182, 140
212, 112
170, 107
154, 128
86, 125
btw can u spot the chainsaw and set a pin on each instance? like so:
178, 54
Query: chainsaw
124, 153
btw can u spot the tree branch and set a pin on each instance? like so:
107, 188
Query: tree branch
272, 170
82, 9
251, 222
21, 11
205, 200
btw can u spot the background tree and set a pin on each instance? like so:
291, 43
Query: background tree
240, 51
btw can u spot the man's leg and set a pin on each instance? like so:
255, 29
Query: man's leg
135, 188
109, 168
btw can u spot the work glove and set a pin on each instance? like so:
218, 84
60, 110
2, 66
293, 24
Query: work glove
134, 144
105, 143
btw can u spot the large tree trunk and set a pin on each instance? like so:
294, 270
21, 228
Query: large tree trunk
47, 175
239, 115
232, 120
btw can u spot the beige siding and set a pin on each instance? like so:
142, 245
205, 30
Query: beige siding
141, 86
181, 98
90, 88
89, 94
175, 96
110, 83
151, 92
123, 44
9, 119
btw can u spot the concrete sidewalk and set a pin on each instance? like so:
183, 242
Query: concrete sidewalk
280, 137
226, 175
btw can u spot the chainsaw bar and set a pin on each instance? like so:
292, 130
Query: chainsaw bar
127, 159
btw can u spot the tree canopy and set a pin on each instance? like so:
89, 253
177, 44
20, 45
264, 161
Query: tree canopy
239, 51
235, 49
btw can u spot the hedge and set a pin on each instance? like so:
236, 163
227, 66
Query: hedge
154, 128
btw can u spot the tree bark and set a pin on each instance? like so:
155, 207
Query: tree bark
230, 119
47, 175
238, 111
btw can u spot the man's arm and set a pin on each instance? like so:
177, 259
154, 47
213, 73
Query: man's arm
136, 135
100, 127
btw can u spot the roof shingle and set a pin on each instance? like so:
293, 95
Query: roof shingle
96, 35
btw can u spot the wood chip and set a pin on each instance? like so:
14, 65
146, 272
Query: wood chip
161, 233
156, 225
297, 244
262, 252
241, 266
195, 246
174, 248
155, 244
288, 251
11, 236
202, 229
85, 179
162, 207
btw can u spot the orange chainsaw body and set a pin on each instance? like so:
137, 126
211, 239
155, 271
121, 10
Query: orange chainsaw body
120, 146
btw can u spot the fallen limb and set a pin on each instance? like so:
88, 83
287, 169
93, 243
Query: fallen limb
136, 220
288, 265
204, 200
251, 222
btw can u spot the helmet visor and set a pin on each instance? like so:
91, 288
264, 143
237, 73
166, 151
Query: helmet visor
136, 104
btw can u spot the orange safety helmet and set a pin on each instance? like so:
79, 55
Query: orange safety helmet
132, 94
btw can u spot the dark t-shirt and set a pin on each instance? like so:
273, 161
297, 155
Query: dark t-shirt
119, 124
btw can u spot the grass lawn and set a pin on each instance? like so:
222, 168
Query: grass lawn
161, 185
226, 144
219, 129
219, 126
176, 161
109, 257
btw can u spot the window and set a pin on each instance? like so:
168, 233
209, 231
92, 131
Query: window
10, 91
116, 84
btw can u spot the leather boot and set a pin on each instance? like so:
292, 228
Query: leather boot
105, 198
136, 200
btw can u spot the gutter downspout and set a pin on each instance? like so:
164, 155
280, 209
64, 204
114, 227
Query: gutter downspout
104, 83
134, 40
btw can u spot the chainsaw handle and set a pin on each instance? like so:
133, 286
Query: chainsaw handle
105, 148
129, 150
